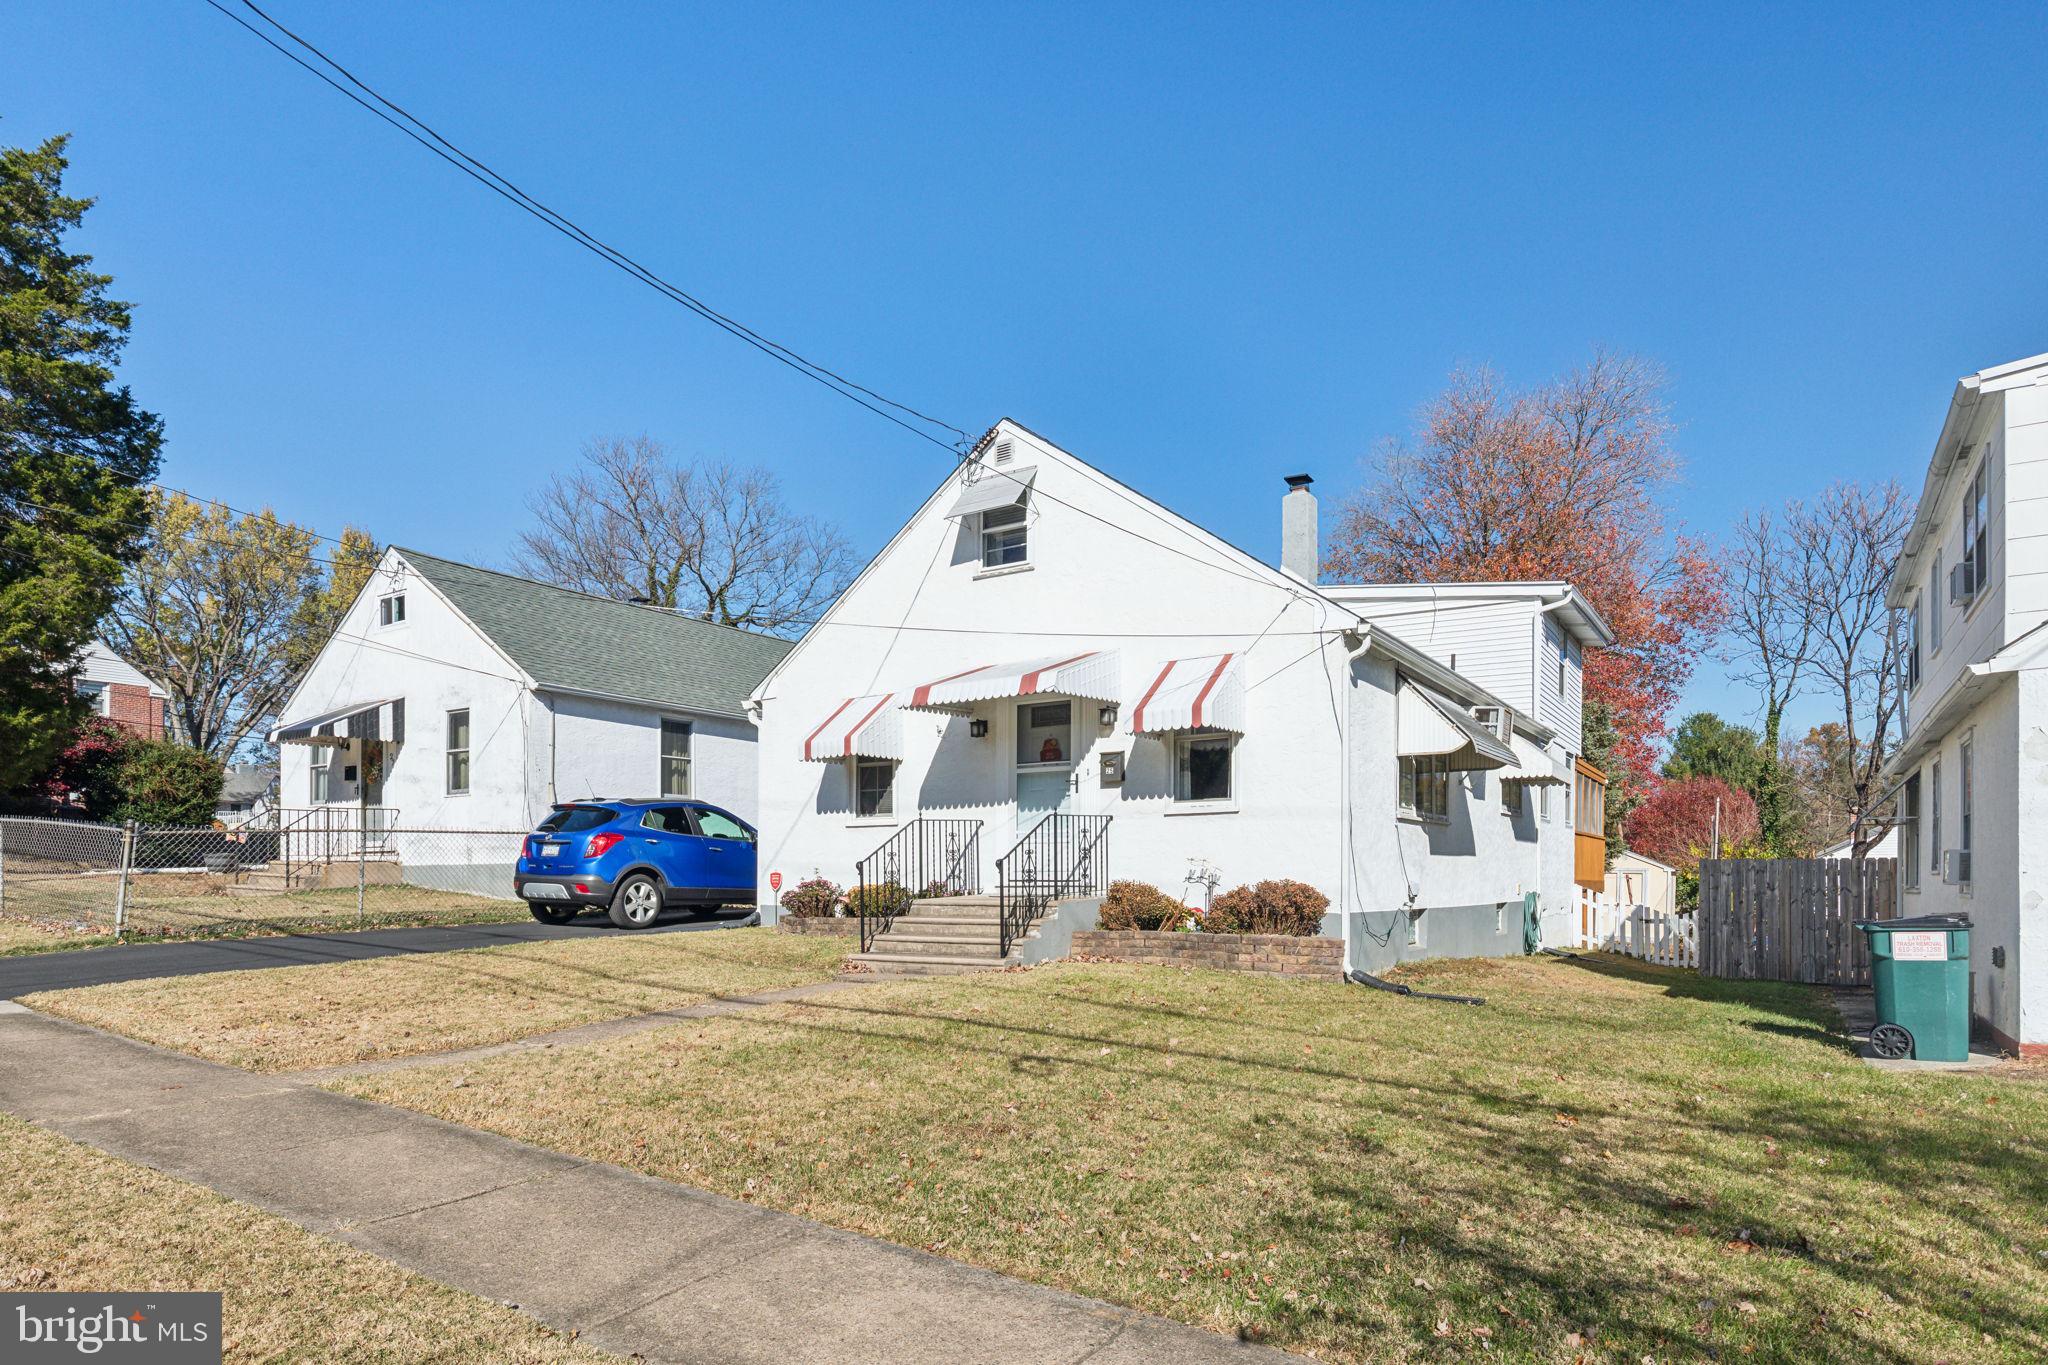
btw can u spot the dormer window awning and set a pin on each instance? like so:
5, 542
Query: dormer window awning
1429, 725
383, 720
1193, 694
859, 727
994, 488
1094, 674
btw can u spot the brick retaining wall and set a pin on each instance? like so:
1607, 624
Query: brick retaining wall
844, 926
1277, 953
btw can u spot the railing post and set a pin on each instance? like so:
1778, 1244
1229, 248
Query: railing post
362, 854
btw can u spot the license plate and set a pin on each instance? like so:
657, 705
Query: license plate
550, 850
545, 891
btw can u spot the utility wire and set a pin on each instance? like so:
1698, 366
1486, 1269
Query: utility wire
424, 134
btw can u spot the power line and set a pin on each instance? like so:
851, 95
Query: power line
424, 134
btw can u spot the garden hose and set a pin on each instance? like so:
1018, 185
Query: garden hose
1367, 979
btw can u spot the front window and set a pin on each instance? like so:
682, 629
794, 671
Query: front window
317, 787
391, 610
1203, 770
1426, 786
874, 787
675, 758
1003, 536
458, 752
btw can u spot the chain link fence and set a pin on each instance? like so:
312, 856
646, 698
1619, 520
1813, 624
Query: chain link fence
62, 877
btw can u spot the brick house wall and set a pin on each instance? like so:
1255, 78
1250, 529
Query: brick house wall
134, 710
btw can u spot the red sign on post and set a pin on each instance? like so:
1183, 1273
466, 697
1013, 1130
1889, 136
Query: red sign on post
774, 881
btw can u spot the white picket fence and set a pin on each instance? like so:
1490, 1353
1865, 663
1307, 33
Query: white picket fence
1667, 939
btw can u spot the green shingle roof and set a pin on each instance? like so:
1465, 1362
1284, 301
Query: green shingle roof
571, 640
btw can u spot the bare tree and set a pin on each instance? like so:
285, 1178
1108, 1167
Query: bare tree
1770, 633
713, 540
1847, 542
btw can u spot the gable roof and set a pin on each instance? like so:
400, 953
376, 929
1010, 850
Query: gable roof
570, 641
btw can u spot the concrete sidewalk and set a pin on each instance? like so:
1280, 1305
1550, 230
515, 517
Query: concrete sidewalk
634, 1264
62, 969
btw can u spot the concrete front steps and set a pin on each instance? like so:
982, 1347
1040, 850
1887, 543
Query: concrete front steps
943, 937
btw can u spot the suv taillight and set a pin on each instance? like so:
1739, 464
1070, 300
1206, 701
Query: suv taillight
601, 844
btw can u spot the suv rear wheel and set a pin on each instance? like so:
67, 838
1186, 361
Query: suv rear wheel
637, 902
551, 914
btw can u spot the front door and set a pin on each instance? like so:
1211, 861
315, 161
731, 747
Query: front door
1045, 759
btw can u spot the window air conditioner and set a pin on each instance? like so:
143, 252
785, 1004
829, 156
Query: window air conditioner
1955, 867
1962, 582
1498, 720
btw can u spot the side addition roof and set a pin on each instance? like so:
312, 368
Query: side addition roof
573, 642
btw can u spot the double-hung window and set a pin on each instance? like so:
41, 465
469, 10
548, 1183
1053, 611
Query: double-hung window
675, 758
458, 752
1004, 536
1426, 787
1912, 650
1976, 538
1202, 767
316, 790
1511, 800
874, 787
1909, 834
1965, 799
1934, 818
1931, 626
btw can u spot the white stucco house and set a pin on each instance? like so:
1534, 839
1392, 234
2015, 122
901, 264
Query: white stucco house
1973, 769
458, 698
1039, 640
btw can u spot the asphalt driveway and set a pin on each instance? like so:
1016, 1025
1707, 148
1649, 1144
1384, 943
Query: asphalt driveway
64, 970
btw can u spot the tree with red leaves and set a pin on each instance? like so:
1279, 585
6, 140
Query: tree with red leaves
1676, 824
1556, 482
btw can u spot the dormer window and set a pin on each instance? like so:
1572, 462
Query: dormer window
391, 610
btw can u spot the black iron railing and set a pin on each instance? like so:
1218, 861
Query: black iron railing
926, 858
1062, 856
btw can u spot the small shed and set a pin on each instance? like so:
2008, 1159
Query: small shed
1638, 879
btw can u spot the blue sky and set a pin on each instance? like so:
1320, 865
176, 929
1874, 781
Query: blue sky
1201, 247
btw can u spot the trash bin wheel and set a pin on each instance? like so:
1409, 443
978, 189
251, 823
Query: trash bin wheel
1891, 1042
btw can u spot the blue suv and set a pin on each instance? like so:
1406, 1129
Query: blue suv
634, 858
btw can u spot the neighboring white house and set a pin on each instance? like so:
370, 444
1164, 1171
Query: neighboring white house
1040, 638
1973, 769
1887, 846
491, 697
1638, 879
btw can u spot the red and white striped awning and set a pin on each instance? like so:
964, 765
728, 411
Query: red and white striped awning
1094, 674
859, 727
1193, 694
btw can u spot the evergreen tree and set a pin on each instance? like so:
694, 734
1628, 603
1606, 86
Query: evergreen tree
75, 455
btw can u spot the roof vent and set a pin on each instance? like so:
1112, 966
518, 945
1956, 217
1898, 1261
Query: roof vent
641, 601
1004, 450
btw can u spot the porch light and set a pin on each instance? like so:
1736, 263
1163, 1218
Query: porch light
978, 728
1107, 715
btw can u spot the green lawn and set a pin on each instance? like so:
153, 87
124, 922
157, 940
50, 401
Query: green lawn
1606, 1162
291, 1018
74, 1219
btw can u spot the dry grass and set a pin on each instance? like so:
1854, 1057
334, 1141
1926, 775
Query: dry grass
74, 1219
1606, 1162
19, 935
292, 1018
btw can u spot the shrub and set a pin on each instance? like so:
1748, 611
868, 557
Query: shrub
1271, 907
88, 773
812, 898
166, 783
885, 898
1140, 905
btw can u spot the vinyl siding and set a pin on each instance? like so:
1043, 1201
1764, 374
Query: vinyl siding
1485, 641
2025, 509
1974, 633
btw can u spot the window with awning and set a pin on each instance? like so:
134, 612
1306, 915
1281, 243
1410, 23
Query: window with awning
1430, 725
1532, 767
384, 720
1193, 694
1095, 675
993, 489
859, 727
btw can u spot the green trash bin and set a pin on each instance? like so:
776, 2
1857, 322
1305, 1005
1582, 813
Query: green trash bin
1920, 974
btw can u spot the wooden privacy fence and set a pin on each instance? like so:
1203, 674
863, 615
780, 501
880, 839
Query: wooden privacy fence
1793, 919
